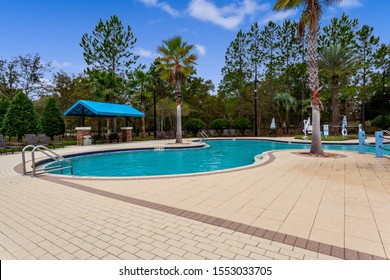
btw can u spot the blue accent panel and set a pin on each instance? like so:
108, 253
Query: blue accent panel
378, 144
362, 140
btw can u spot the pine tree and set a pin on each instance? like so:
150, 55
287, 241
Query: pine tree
21, 117
52, 120
4, 104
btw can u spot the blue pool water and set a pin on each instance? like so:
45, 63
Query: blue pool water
221, 154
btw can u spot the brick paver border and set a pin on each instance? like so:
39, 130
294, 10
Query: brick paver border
318, 247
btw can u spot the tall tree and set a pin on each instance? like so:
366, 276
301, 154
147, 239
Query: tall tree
270, 49
109, 48
176, 64
236, 70
310, 17
341, 31
31, 74
366, 45
336, 61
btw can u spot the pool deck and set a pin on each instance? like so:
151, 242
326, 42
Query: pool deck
287, 206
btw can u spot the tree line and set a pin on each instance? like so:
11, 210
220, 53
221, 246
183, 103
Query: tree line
351, 60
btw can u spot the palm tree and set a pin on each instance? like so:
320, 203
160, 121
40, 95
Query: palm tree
285, 101
176, 64
336, 61
140, 81
310, 17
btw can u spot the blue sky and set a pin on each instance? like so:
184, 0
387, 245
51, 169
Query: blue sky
53, 28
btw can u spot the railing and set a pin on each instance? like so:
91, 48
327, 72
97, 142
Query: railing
51, 154
202, 135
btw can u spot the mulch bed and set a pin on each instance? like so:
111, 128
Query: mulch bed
325, 155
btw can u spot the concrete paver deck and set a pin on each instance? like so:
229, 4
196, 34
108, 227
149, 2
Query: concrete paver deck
293, 207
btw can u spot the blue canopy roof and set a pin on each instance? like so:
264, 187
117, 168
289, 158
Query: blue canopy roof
100, 109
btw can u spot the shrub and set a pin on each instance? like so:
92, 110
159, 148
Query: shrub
52, 121
21, 117
194, 125
241, 124
377, 121
219, 125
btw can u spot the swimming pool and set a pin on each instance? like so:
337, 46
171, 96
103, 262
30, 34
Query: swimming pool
218, 155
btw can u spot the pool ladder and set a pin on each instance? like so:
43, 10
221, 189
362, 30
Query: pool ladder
49, 153
202, 135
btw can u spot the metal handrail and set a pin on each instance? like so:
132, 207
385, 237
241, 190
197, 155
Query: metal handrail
202, 135
48, 152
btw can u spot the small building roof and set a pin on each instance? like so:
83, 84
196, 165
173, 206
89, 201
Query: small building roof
100, 109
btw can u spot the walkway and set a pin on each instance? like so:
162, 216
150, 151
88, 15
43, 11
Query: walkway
288, 207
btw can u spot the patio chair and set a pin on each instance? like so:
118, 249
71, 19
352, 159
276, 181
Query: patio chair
113, 137
31, 139
172, 134
43, 140
4, 146
158, 134
163, 134
98, 138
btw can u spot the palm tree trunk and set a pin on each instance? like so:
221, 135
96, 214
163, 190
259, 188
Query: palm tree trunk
316, 145
335, 105
179, 138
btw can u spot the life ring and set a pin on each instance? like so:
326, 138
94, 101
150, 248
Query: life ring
344, 132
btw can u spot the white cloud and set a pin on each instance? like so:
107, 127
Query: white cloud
145, 53
278, 16
201, 49
163, 6
351, 4
55, 63
229, 16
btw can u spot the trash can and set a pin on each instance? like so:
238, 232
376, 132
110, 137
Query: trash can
86, 140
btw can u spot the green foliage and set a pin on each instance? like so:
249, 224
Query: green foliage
377, 121
219, 125
52, 120
4, 104
21, 117
194, 125
109, 47
241, 124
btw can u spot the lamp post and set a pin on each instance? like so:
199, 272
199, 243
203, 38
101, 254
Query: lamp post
386, 73
256, 81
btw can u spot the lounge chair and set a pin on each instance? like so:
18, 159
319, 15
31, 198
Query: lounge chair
113, 137
43, 140
4, 146
31, 139
98, 138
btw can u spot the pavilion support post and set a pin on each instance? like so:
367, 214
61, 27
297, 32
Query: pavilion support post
127, 134
82, 134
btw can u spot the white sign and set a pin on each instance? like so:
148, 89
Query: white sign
326, 130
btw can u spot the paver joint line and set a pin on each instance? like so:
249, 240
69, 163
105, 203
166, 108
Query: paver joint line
234, 226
